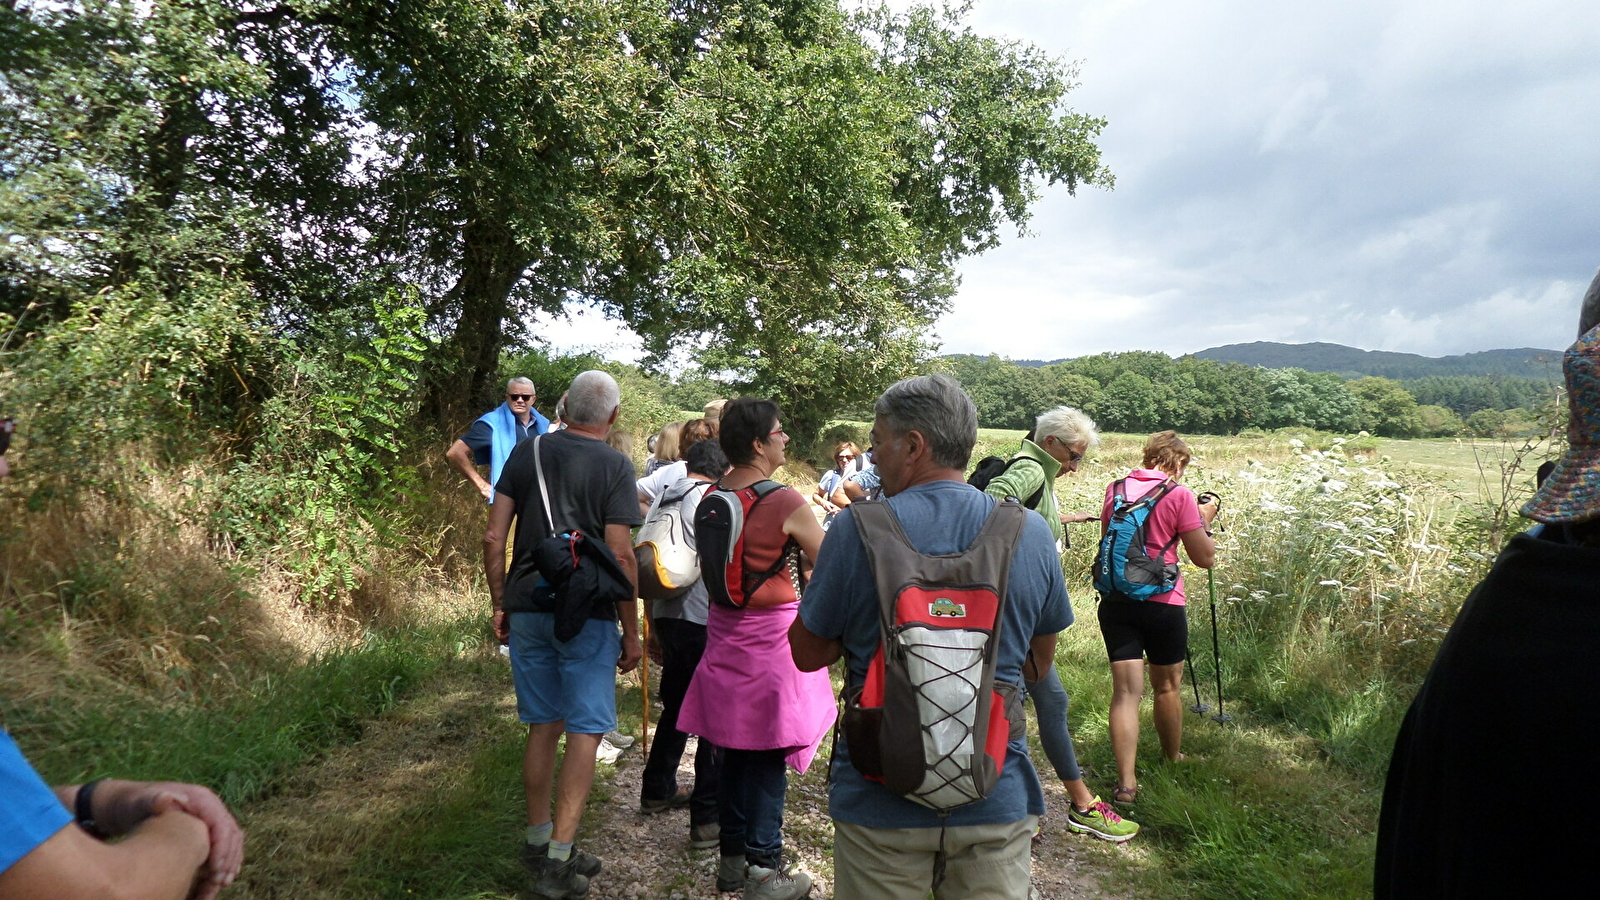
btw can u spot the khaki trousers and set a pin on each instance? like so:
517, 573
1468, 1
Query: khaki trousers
982, 862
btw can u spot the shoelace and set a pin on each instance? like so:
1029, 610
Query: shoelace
1104, 809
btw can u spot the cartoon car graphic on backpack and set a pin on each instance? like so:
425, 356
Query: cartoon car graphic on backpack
944, 606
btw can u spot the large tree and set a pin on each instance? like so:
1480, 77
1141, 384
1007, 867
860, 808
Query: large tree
776, 191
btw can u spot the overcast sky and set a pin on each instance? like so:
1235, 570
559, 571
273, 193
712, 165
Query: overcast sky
1421, 176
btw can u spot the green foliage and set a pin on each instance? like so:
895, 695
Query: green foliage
693, 389
1437, 421
324, 484
1389, 408
128, 365
1466, 394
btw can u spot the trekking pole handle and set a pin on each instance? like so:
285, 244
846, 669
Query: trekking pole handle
1209, 496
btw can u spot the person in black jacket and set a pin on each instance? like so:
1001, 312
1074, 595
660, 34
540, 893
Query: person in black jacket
1500, 719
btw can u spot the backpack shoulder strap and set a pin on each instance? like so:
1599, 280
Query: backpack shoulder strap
1033, 499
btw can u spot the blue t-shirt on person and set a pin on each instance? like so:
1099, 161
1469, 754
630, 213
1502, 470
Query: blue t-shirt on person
30, 814
841, 601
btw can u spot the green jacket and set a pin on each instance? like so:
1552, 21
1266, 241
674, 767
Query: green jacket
1022, 480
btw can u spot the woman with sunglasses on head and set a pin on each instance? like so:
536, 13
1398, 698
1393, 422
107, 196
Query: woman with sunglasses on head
1156, 628
1055, 447
846, 460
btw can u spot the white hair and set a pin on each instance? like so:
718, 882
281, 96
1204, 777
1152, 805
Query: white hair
1067, 424
594, 395
521, 379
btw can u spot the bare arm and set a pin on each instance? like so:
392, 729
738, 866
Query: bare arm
494, 560
163, 858
848, 493
1041, 653
1197, 542
802, 526
620, 539
460, 456
811, 652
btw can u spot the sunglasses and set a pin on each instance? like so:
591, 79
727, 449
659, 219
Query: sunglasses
845, 457
519, 396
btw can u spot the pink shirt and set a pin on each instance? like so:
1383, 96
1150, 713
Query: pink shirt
1174, 514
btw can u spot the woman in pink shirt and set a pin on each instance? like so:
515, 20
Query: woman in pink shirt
1156, 628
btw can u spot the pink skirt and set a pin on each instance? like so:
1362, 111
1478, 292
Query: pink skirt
747, 693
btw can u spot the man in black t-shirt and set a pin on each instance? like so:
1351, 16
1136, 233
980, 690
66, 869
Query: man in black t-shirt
563, 686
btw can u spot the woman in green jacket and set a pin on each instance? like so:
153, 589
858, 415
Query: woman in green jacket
1056, 446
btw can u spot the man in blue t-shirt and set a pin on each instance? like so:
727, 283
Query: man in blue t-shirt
885, 845
177, 840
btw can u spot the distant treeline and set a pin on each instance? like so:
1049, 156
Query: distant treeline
1146, 391
1352, 362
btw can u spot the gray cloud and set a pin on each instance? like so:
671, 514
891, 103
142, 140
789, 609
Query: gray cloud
1412, 177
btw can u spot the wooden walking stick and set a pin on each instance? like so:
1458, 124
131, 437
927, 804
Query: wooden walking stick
644, 685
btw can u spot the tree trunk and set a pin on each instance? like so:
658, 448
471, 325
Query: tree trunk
491, 265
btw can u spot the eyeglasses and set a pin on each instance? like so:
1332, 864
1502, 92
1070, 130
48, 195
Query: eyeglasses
845, 457
1072, 457
776, 432
519, 396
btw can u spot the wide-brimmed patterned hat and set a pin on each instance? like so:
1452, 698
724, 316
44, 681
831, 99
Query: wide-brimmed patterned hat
1572, 492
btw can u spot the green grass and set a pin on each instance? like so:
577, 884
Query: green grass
1260, 811
453, 840
242, 743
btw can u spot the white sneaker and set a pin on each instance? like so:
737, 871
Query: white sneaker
761, 883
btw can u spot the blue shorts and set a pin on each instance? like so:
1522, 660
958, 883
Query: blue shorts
575, 682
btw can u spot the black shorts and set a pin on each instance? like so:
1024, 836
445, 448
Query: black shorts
1134, 629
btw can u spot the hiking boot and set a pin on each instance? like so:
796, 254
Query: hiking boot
676, 801
561, 881
536, 858
730, 872
704, 837
761, 883
1101, 821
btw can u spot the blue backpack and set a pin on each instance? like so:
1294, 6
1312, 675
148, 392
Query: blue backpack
1124, 567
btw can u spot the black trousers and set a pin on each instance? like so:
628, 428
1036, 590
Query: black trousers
682, 644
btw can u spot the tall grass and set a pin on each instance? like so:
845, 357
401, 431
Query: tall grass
1338, 571
243, 742
135, 642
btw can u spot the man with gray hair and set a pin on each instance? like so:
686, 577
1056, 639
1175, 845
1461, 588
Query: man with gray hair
490, 439
886, 846
561, 482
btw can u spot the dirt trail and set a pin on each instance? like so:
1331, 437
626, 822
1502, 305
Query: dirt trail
304, 842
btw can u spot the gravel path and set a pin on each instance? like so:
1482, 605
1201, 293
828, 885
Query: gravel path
648, 856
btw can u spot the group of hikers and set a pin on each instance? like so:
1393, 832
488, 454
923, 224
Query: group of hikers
944, 601
752, 590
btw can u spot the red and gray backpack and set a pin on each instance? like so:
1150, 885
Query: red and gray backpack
931, 723
719, 536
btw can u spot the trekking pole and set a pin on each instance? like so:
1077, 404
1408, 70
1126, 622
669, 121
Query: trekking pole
1216, 650
644, 686
1198, 708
